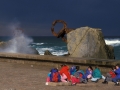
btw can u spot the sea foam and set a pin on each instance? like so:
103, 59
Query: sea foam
113, 42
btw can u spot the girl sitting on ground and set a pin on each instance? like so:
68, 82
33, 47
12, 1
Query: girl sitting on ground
110, 75
53, 76
88, 73
96, 75
73, 69
78, 77
48, 78
65, 74
117, 72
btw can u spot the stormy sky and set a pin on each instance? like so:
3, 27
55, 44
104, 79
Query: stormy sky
36, 16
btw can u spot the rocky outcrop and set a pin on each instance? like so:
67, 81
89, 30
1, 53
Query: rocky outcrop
47, 52
88, 42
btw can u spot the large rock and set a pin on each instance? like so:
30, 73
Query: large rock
88, 43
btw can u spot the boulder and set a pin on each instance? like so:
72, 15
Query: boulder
47, 52
86, 42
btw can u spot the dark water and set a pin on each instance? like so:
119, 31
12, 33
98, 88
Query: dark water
58, 47
115, 42
53, 44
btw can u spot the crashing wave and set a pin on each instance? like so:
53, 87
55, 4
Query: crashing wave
60, 53
42, 50
113, 42
37, 43
54, 50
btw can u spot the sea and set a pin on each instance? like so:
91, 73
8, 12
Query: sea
57, 47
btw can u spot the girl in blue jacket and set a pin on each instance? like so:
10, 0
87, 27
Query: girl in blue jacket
88, 73
117, 72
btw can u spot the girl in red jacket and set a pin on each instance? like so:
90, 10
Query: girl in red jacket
65, 74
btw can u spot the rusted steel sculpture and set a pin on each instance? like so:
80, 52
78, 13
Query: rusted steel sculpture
62, 32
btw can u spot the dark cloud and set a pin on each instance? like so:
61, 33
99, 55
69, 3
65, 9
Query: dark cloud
36, 16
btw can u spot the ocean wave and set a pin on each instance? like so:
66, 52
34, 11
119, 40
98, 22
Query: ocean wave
60, 53
59, 47
52, 50
113, 42
42, 50
37, 43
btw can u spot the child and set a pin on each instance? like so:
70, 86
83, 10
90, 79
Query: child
55, 75
96, 75
65, 74
88, 73
73, 69
110, 76
78, 77
117, 72
48, 78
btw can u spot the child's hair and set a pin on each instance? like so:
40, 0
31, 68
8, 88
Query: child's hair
113, 67
77, 68
117, 65
63, 65
53, 69
90, 67
56, 69
96, 67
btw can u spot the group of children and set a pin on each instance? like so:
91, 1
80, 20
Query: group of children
76, 75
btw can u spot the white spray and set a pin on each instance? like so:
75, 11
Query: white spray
19, 43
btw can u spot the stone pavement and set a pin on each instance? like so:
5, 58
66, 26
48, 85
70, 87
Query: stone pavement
14, 76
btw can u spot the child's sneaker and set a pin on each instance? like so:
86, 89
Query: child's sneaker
96, 81
117, 84
73, 84
46, 83
105, 82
